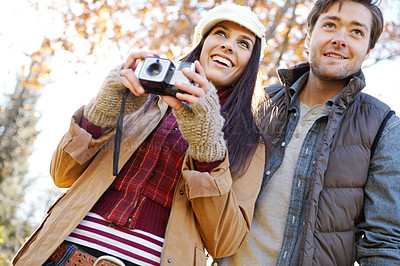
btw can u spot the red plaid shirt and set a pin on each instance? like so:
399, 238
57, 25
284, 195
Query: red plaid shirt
141, 195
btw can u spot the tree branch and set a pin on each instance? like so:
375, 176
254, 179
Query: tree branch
278, 18
379, 59
286, 42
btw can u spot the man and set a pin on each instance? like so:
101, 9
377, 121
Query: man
330, 195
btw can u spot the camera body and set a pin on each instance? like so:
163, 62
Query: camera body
158, 75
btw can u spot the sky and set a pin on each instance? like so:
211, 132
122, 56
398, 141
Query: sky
22, 30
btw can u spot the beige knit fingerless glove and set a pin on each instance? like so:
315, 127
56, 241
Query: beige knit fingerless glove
104, 109
201, 125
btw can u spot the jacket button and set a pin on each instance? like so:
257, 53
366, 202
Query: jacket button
169, 260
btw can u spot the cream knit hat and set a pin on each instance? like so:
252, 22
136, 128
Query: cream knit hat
241, 15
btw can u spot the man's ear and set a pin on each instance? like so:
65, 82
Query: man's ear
307, 44
367, 53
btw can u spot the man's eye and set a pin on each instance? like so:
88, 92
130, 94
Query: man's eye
329, 25
358, 32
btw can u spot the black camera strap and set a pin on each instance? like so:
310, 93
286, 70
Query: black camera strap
118, 133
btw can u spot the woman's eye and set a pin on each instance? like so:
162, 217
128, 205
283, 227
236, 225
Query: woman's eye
220, 33
244, 44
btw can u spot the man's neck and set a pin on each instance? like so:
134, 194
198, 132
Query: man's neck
317, 91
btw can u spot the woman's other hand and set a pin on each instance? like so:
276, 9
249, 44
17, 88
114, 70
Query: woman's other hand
197, 89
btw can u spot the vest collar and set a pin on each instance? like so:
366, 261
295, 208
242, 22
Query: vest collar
347, 95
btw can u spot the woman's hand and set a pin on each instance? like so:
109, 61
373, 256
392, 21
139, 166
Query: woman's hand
195, 91
127, 74
201, 124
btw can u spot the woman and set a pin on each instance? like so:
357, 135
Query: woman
189, 174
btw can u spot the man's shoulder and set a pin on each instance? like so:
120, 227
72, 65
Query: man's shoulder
393, 123
366, 98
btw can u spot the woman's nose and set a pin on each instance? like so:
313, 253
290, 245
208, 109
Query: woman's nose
227, 47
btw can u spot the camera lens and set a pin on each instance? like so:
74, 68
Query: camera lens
154, 69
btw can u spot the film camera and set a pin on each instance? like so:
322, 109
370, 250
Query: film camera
158, 75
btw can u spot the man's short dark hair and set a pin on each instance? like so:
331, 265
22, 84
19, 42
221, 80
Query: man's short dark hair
322, 6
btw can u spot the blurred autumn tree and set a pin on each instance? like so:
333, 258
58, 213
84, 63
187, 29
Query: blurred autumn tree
167, 27
88, 29
18, 119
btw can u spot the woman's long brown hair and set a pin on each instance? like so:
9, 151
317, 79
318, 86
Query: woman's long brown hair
240, 129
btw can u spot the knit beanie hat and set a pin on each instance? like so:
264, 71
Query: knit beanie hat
241, 15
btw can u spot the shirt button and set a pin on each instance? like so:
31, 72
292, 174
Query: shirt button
297, 135
294, 114
268, 172
169, 260
181, 192
283, 144
176, 128
129, 220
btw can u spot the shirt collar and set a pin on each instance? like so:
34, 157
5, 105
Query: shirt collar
295, 89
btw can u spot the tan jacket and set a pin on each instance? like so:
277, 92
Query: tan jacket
208, 210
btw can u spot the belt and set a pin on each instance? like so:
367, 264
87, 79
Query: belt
68, 255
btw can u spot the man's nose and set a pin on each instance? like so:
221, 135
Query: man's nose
339, 39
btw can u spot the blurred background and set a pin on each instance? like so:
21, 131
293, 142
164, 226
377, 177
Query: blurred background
55, 54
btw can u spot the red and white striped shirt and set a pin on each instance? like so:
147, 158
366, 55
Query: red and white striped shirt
135, 246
